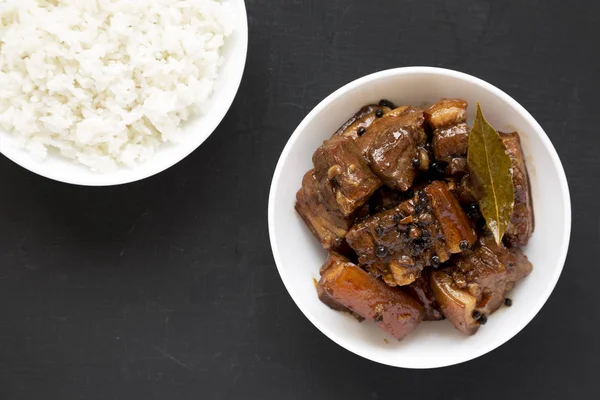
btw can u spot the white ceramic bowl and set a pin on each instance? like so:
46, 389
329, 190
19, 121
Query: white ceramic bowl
433, 344
194, 131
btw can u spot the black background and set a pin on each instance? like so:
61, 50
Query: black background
166, 288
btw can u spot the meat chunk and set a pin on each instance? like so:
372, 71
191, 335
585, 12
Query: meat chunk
457, 305
376, 127
521, 224
394, 149
447, 112
419, 232
448, 120
362, 119
454, 223
349, 286
329, 228
475, 285
334, 260
421, 290
346, 182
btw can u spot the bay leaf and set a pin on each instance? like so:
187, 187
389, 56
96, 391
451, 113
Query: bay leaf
491, 173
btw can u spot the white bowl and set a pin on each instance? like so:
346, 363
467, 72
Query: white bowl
433, 344
194, 131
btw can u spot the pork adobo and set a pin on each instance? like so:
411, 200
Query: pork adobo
394, 191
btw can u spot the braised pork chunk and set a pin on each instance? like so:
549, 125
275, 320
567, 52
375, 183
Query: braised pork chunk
344, 175
349, 286
475, 284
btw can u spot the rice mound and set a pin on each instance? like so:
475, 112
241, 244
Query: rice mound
105, 82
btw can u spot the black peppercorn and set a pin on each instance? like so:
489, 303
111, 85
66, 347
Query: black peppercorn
381, 251
397, 218
438, 167
417, 247
435, 261
379, 230
420, 207
507, 302
476, 315
386, 103
422, 202
511, 265
361, 131
379, 113
474, 213
464, 245
482, 320
416, 162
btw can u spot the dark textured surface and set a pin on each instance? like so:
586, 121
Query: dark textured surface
166, 289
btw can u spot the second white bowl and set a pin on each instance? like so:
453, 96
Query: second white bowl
434, 344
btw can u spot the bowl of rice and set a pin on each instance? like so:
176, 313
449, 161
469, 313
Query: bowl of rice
101, 93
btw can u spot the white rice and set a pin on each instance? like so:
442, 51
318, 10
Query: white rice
105, 82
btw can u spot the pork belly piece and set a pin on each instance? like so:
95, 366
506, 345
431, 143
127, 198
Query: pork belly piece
421, 291
334, 260
476, 284
422, 231
358, 124
344, 284
455, 225
380, 123
393, 153
521, 224
346, 182
329, 227
448, 120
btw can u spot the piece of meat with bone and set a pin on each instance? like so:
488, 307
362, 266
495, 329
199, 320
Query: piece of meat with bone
329, 227
448, 120
474, 286
358, 124
421, 290
394, 152
422, 231
521, 224
346, 182
346, 285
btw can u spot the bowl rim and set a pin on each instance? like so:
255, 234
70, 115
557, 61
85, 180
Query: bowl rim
420, 70
147, 170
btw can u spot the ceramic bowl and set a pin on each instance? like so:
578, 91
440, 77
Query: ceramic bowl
194, 132
298, 254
